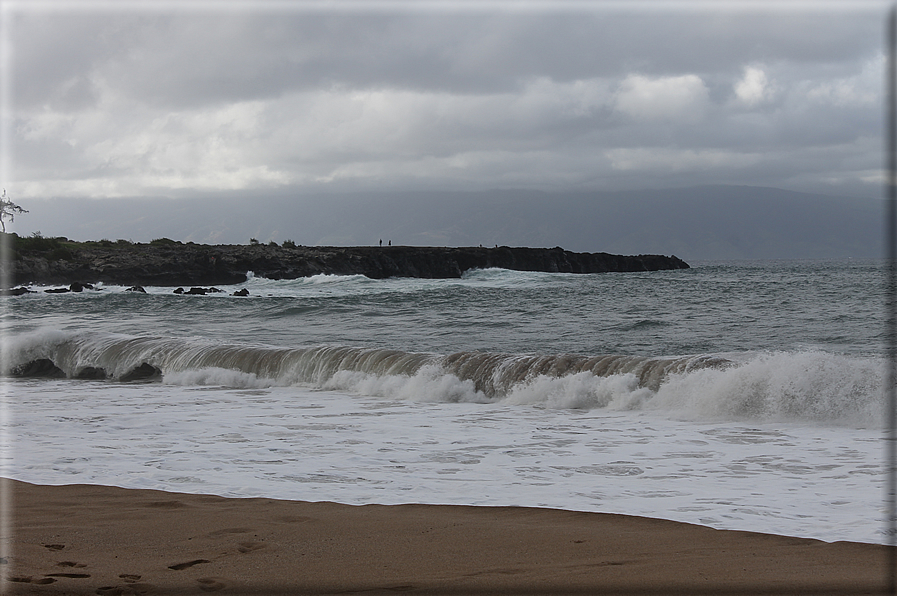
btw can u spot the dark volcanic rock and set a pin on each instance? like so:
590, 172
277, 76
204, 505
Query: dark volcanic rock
199, 291
16, 292
197, 265
77, 286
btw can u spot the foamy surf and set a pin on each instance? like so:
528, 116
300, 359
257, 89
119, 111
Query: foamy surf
811, 386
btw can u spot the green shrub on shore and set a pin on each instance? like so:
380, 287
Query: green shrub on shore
36, 242
164, 242
54, 249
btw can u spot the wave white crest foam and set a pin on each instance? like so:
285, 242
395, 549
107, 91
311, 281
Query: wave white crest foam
33, 346
328, 278
429, 384
816, 386
806, 386
582, 391
813, 386
218, 377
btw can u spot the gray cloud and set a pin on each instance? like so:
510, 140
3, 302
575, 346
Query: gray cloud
166, 103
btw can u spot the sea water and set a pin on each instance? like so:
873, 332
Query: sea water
742, 395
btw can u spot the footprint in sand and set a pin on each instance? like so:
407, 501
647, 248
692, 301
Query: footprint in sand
211, 584
129, 577
226, 531
129, 590
181, 566
249, 546
27, 579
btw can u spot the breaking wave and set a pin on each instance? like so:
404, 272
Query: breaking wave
812, 386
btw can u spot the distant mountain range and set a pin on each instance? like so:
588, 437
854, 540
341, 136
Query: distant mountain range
706, 222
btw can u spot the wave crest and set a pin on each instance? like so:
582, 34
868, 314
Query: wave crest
813, 386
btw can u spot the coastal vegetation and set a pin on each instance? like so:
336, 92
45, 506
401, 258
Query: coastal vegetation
54, 248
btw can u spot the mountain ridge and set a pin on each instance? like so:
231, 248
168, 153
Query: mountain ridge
703, 222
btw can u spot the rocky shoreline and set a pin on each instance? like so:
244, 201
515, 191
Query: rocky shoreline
177, 264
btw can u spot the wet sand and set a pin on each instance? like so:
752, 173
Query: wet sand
82, 539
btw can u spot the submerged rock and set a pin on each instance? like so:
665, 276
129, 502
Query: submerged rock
77, 286
199, 291
16, 291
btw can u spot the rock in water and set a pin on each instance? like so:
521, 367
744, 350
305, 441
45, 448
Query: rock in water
16, 291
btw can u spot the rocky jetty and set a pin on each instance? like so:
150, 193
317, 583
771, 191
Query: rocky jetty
177, 264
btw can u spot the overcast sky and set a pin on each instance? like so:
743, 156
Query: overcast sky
162, 100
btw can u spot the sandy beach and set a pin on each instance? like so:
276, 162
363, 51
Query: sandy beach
81, 539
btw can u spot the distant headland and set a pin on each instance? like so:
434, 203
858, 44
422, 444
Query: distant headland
165, 262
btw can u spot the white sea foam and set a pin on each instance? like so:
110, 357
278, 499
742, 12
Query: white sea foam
284, 442
582, 390
217, 377
428, 384
801, 386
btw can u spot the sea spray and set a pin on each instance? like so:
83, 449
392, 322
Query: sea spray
810, 386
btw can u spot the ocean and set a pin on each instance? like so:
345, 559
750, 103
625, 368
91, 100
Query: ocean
739, 395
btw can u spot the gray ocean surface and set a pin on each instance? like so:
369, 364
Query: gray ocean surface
836, 306
674, 393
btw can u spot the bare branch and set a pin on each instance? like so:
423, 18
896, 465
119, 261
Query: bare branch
8, 209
